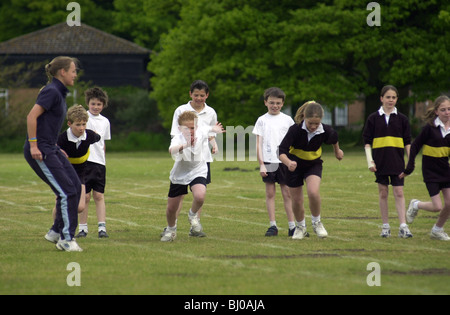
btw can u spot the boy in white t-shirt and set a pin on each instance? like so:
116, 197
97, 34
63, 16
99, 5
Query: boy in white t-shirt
207, 117
270, 130
97, 100
190, 169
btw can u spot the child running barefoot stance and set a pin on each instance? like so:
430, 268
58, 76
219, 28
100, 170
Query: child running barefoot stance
435, 141
189, 169
301, 151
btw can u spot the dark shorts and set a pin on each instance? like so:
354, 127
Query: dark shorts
176, 190
435, 188
297, 177
95, 177
276, 173
387, 180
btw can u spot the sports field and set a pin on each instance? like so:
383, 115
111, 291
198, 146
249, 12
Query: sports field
235, 257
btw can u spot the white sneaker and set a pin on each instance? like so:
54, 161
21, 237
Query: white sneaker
411, 213
319, 229
168, 235
385, 232
52, 236
404, 232
196, 226
300, 233
68, 246
441, 235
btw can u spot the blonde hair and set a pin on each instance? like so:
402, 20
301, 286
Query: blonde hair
430, 114
77, 113
310, 109
186, 116
58, 63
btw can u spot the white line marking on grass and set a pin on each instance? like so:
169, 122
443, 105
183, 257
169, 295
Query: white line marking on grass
21, 223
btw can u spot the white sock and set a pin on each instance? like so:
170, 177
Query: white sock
83, 227
301, 223
315, 219
273, 223
291, 225
416, 205
386, 226
192, 214
102, 226
403, 225
437, 229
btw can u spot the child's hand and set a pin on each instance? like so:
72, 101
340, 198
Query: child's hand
218, 128
263, 170
373, 168
339, 154
402, 175
292, 165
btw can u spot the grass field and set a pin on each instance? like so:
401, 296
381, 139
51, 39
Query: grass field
235, 257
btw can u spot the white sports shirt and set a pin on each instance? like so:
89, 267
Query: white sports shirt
206, 118
272, 129
190, 163
100, 124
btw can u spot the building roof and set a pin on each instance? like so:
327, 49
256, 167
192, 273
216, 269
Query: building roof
61, 39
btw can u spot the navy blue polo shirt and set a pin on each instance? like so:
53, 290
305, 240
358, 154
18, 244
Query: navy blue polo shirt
53, 99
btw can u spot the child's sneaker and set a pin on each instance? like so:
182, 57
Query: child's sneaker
52, 236
81, 234
68, 246
102, 234
168, 235
404, 232
385, 232
411, 213
272, 231
300, 233
439, 235
196, 227
319, 229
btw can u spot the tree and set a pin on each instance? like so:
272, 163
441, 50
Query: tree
324, 51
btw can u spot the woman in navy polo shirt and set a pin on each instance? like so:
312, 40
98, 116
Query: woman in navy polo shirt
44, 123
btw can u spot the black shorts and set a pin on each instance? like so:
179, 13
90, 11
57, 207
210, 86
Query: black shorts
176, 190
435, 188
297, 177
276, 173
95, 177
387, 180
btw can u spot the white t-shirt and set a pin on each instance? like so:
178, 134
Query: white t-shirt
206, 118
190, 163
272, 129
100, 124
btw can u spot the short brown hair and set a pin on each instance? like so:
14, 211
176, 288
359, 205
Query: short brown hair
186, 116
77, 113
97, 93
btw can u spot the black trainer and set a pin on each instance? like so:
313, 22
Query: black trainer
102, 234
80, 234
272, 231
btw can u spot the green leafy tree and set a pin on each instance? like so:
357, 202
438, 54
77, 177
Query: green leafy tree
324, 51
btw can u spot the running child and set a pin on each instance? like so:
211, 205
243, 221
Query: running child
270, 129
189, 169
301, 151
206, 115
435, 141
387, 134
44, 123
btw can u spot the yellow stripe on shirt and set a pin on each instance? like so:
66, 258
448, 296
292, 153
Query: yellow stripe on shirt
79, 160
437, 152
306, 155
384, 142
